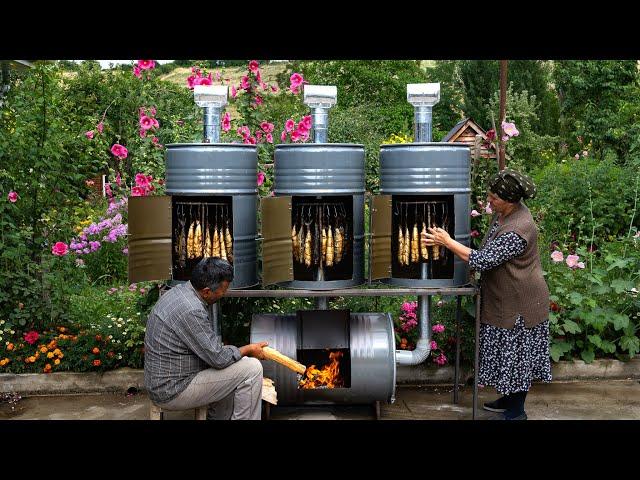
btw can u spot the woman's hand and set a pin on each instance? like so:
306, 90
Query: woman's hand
436, 236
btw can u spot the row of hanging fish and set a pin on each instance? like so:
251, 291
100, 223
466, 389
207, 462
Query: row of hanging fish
202, 239
410, 246
319, 237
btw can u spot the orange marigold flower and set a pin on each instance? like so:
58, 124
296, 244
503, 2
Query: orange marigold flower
61, 355
62, 329
47, 368
50, 355
57, 351
96, 363
98, 338
56, 361
43, 349
95, 350
36, 356
10, 346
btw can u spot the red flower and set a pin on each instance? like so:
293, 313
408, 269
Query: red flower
96, 363
31, 337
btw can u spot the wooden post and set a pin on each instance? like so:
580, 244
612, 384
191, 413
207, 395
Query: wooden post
503, 104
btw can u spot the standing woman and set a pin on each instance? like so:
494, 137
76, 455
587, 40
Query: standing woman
514, 334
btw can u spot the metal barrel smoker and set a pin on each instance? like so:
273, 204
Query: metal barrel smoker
313, 231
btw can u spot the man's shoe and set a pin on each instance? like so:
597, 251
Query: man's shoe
499, 405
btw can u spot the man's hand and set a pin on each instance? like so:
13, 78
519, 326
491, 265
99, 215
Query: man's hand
254, 350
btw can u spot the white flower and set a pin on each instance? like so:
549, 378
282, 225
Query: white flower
1, 322
120, 319
0, 339
119, 357
110, 337
12, 332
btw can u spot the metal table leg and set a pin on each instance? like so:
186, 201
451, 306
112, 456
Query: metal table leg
456, 375
476, 362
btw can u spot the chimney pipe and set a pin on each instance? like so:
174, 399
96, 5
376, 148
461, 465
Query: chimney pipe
320, 98
212, 98
423, 96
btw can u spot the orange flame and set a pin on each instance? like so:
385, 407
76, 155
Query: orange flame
328, 377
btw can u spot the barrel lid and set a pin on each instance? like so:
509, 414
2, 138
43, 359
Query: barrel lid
425, 144
296, 146
240, 146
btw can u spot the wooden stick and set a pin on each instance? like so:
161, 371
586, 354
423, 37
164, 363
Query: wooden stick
276, 356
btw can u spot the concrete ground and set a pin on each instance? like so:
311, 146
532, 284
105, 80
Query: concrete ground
593, 400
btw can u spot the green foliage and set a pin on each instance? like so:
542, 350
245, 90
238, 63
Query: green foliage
595, 311
571, 191
599, 102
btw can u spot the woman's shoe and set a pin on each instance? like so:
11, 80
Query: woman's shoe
499, 405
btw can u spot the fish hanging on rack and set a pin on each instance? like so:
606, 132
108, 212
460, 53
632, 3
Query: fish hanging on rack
300, 242
424, 250
190, 238
228, 241
197, 241
307, 248
207, 242
400, 245
415, 251
223, 248
216, 243
324, 245
329, 247
407, 244
339, 244
294, 243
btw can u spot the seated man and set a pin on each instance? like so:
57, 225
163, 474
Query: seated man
186, 365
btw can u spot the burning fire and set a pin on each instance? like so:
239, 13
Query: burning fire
328, 377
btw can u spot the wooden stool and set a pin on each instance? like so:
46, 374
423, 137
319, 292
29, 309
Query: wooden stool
157, 413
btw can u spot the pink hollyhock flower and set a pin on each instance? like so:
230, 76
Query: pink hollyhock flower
146, 122
118, 179
295, 136
251, 140
258, 134
289, 125
306, 121
572, 261
434, 345
296, 80
146, 64
505, 138
294, 90
283, 135
259, 78
203, 81
261, 177
409, 307
142, 132
441, 359
191, 82
254, 66
438, 328
226, 122
510, 129
234, 92
107, 190
580, 265
259, 100
577, 156
153, 111
138, 192
218, 76
119, 151
156, 140
155, 123
263, 85
266, 127
89, 134
488, 209
274, 88
31, 337
244, 83
475, 213
59, 249
100, 127
557, 256
474, 233
13, 196
142, 180
244, 131
269, 138
136, 71
125, 250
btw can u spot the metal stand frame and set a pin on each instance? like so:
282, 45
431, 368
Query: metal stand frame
394, 292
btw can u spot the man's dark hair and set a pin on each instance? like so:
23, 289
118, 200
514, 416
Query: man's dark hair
210, 272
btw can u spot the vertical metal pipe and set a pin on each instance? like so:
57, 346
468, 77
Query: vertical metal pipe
214, 315
320, 117
322, 303
476, 362
211, 124
457, 371
422, 120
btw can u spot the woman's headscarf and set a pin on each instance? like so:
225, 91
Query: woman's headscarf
512, 186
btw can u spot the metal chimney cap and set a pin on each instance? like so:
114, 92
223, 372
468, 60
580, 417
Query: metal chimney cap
423, 94
211, 95
320, 96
